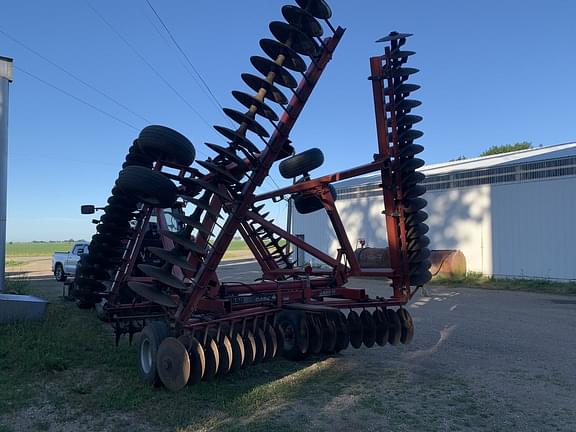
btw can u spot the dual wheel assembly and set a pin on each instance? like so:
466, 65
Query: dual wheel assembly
175, 361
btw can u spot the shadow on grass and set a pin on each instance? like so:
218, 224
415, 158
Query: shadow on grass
69, 362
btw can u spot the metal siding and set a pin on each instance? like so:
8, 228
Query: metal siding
533, 229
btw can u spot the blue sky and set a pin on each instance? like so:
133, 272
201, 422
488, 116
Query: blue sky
491, 73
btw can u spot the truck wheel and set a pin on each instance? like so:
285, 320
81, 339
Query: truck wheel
166, 144
301, 163
150, 339
148, 186
59, 274
306, 204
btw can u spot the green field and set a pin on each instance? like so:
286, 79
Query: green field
47, 249
36, 249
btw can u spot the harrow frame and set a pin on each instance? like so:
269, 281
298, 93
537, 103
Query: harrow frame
192, 300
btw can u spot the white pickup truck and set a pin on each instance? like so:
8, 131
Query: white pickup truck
64, 263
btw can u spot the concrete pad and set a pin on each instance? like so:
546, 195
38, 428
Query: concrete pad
21, 308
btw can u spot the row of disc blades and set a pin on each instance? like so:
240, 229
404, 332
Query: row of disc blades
401, 121
106, 248
300, 35
203, 355
277, 249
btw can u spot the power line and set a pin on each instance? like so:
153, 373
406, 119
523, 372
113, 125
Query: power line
202, 80
70, 74
141, 57
76, 98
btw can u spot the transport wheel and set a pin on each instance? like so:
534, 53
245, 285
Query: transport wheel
166, 144
260, 339
407, 326
197, 358
329, 336
315, 335
271, 343
249, 349
225, 350
147, 186
381, 327
368, 329
307, 203
237, 352
296, 338
355, 326
59, 274
212, 356
394, 327
301, 163
342, 332
150, 339
173, 364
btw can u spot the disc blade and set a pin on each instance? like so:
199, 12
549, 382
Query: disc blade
171, 258
153, 294
394, 36
237, 138
414, 204
162, 276
292, 59
222, 172
414, 191
272, 92
185, 242
226, 153
266, 66
410, 150
261, 108
297, 40
191, 222
245, 119
173, 364
302, 20
318, 8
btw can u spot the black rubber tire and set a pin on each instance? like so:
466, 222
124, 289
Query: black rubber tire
308, 203
296, 337
150, 339
165, 144
59, 274
301, 163
147, 186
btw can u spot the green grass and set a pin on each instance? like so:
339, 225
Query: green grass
67, 367
36, 249
17, 285
13, 263
477, 280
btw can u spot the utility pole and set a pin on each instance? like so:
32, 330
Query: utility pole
5, 80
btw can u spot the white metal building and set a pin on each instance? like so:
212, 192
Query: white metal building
512, 215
